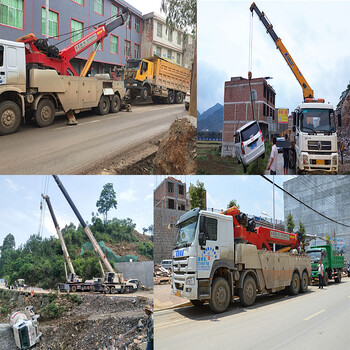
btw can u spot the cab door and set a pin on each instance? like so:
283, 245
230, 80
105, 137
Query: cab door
2, 65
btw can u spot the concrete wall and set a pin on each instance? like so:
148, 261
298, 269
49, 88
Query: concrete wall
326, 194
142, 270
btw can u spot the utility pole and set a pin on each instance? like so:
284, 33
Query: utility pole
47, 6
273, 214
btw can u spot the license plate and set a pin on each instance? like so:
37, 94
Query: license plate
253, 145
178, 294
319, 161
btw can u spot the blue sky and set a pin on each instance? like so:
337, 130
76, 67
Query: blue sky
20, 202
313, 32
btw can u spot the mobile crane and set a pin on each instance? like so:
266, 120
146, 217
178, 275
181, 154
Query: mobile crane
36, 80
113, 282
314, 138
218, 256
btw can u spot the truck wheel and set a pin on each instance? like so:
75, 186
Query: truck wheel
304, 283
197, 303
179, 97
171, 97
294, 284
325, 279
104, 105
115, 104
220, 295
144, 93
73, 289
45, 113
108, 290
247, 294
112, 290
10, 117
338, 279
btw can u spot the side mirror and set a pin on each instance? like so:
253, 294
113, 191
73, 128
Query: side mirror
294, 115
293, 128
202, 239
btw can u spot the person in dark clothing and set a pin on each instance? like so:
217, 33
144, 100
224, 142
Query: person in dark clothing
285, 157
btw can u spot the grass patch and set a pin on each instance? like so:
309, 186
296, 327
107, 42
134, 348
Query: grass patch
4, 309
52, 311
76, 299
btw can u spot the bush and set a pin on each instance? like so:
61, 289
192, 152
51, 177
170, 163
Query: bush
4, 309
52, 311
76, 299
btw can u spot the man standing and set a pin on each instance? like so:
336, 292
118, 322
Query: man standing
320, 274
273, 158
149, 327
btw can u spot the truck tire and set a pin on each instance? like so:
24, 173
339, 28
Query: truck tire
247, 294
179, 97
338, 279
144, 93
115, 104
104, 105
220, 295
45, 113
108, 290
10, 117
197, 303
325, 279
294, 284
171, 97
304, 283
112, 290
73, 289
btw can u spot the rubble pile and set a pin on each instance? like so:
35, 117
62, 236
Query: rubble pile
344, 135
161, 275
177, 154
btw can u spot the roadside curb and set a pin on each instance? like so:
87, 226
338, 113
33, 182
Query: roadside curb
176, 306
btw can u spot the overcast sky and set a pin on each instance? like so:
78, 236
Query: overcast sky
20, 202
314, 32
147, 6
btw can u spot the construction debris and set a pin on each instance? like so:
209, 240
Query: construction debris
161, 275
344, 135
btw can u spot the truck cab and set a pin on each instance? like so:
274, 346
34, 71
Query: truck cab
315, 136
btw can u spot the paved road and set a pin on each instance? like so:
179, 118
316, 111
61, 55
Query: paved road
62, 149
318, 320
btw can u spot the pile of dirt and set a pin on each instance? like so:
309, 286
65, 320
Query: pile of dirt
177, 152
344, 135
161, 275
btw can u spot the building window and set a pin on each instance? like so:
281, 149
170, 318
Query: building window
183, 207
212, 231
171, 204
114, 44
137, 51
76, 30
178, 58
169, 54
179, 38
98, 7
53, 23
159, 29
186, 39
170, 35
127, 48
159, 51
170, 187
264, 90
128, 22
264, 110
181, 189
11, 13
137, 25
79, 2
115, 11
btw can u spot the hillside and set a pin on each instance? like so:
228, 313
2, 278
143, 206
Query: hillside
211, 119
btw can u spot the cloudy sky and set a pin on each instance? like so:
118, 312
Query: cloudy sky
314, 33
146, 6
20, 202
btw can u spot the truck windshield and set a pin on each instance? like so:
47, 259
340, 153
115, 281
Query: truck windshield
317, 120
133, 64
314, 255
186, 232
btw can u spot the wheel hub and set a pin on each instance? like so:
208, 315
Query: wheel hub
221, 295
249, 291
46, 113
8, 118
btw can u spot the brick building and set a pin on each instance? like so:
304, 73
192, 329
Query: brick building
169, 204
69, 21
238, 110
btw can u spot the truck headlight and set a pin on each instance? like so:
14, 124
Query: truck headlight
134, 84
190, 281
305, 159
334, 160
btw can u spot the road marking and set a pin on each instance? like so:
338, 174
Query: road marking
316, 314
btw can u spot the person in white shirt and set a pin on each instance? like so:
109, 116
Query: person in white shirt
273, 158
320, 274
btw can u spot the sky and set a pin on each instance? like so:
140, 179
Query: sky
146, 6
20, 198
313, 32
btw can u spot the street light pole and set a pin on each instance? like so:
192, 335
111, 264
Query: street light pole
273, 214
47, 7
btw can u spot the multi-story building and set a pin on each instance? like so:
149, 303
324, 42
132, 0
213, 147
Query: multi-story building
238, 108
69, 21
169, 204
158, 39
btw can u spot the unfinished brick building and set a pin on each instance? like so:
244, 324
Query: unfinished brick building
238, 110
170, 203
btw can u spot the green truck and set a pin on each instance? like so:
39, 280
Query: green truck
332, 262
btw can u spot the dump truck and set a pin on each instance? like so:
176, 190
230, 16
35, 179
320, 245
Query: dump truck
25, 327
313, 146
220, 256
333, 263
157, 77
37, 80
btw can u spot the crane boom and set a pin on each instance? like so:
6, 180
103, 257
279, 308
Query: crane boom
86, 228
307, 91
59, 233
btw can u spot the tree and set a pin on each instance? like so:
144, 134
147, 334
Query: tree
232, 203
8, 243
183, 14
107, 200
301, 228
290, 223
197, 195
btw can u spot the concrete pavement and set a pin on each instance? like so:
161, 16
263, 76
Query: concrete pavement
164, 300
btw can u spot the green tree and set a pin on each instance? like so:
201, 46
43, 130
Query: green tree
8, 243
107, 200
197, 195
232, 203
301, 228
290, 223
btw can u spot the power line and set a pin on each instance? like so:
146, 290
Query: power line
306, 205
